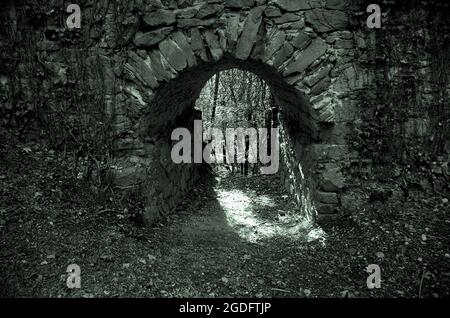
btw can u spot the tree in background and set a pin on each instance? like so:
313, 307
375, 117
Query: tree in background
235, 98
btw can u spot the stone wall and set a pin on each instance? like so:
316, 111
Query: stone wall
133, 71
399, 90
289, 44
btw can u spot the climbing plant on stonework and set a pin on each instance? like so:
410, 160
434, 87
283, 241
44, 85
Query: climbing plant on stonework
392, 110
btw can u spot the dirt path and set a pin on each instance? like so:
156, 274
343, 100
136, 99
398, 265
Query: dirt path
238, 243
237, 238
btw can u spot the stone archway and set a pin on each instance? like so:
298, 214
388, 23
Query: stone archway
177, 48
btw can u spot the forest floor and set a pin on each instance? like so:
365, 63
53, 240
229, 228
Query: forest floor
234, 237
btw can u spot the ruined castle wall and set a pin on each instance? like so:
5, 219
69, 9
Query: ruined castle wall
350, 95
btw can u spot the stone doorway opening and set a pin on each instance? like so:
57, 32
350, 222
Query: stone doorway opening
175, 105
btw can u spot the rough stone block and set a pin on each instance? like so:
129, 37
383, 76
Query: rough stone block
159, 17
327, 197
181, 40
315, 77
324, 208
174, 54
151, 38
232, 29
301, 41
248, 35
239, 4
272, 12
296, 5
326, 20
332, 179
192, 23
213, 45
186, 13
286, 18
276, 40
282, 55
162, 72
208, 10
142, 70
336, 4
315, 50
197, 44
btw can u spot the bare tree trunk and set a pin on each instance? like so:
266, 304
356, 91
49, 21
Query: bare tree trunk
271, 122
216, 96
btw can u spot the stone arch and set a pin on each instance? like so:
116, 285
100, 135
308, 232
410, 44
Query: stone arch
177, 48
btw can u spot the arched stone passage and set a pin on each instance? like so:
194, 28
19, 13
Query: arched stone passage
173, 107
178, 48
174, 98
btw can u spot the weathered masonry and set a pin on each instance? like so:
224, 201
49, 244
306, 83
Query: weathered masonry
176, 49
146, 61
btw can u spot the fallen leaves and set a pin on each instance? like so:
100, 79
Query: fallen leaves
166, 261
142, 261
306, 292
107, 257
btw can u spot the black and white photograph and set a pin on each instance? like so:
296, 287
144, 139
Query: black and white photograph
247, 151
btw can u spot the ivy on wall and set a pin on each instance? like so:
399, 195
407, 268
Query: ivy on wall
405, 114
46, 83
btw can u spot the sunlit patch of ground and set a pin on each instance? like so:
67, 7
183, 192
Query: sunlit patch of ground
245, 214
